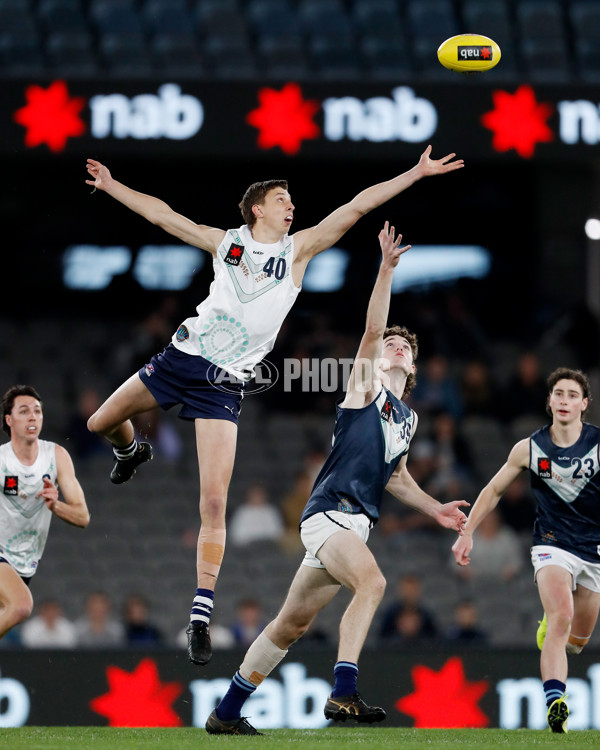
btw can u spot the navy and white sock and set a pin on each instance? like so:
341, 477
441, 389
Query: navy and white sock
230, 707
122, 454
346, 675
554, 689
203, 606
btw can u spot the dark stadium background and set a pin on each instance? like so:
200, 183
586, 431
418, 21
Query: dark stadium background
541, 294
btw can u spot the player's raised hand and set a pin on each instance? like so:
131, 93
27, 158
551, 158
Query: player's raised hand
431, 167
390, 245
99, 174
451, 517
461, 549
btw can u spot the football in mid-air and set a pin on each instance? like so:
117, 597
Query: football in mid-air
469, 53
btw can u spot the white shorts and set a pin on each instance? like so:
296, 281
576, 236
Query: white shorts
583, 573
317, 529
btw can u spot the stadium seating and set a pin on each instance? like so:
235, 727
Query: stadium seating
542, 40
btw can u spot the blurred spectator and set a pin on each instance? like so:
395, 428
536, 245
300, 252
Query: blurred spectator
406, 616
145, 339
480, 395
314, 460
292, 506
97, 628
84, 443
139, 631
49, 628
517, 506
158, 429
421, 461
249, 622
526, 392
436, 390
461, 333
466, 626
256, 519
409, 626
452, 454
498, 555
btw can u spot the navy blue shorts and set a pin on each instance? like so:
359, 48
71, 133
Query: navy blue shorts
204, 390
26, 580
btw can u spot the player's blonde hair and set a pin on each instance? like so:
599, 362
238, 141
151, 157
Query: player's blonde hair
411, 380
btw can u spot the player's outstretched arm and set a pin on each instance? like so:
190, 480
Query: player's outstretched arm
74, 509
402, 486
154, 210
488, 499
365, 366
310, 242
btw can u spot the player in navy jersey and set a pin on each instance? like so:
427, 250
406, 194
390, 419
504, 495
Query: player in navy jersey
258, 274
563, 459
372, 434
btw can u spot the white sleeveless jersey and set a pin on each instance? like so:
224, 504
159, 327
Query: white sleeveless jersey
24, 518
251, 294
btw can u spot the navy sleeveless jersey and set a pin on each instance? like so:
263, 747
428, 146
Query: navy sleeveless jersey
368, 444
566, 486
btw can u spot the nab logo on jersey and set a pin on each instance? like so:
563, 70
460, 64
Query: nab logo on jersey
545, 468
11, 485
386, 411
234, 254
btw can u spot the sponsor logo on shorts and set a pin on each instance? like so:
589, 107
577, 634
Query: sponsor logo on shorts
182, 333
542, 556
11, 485
544, 468
149, 369
344, 506
234, 254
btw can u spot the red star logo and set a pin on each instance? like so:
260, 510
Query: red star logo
518, 121
138, 699
284, 118
236, 252
11, 482
486, 53
544, 465
444, 699
51, 116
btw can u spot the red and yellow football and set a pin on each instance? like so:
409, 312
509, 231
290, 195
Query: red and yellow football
469, 53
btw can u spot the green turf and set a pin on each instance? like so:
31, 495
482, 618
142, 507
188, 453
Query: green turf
100, 738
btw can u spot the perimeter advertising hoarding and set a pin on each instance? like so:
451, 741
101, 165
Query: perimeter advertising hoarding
166, 118
433, 688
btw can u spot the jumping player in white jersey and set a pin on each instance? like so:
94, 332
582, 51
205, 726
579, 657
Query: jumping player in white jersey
563, 459
31, 470
372, 435
258, 273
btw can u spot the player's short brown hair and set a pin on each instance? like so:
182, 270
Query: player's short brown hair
256, 194
411, 380
566, 373
8, 401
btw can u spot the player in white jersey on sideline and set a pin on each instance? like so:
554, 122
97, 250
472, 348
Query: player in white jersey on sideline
563, 459
258, 273
31, 470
